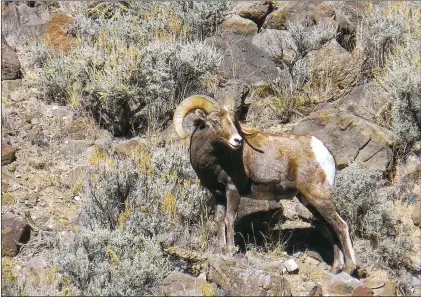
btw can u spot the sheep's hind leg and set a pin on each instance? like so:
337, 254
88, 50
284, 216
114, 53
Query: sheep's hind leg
323, 203
338, 257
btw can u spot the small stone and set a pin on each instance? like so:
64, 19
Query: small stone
291, 266
343, 284
308, 286
323, 266
389, 289
8, 154
316, 291
77, 197
362, 291
416, 214
7, 199
14, 230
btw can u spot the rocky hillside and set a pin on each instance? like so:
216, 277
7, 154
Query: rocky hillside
98, 195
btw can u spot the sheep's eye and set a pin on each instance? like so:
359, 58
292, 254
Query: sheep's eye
215, 122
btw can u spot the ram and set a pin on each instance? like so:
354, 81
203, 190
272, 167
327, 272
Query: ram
233, 161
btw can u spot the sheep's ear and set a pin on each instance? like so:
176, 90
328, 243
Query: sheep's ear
201, 115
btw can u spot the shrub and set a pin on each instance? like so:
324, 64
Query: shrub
370, 216
105, 262
131, 72
128, 203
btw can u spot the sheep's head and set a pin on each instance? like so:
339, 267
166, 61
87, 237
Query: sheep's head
219, 119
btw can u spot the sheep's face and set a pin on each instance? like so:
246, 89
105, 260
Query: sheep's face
222, 123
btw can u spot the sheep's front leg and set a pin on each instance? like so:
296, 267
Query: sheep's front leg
233, 200
220, 220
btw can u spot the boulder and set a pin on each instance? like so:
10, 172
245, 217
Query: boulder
242, 60
333, 71
14, 230
364, 101
291, 266
56, 34
343, 284
416, 214
349, 138
256, 11
10, 64
278, 44
8, 154
293, 12
26, 20
240, 25
237, 277
181, 284
237, 90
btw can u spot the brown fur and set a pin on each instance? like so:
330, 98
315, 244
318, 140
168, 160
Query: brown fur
266, 166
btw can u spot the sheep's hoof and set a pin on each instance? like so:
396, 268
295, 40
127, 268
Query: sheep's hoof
231, 250
337, 269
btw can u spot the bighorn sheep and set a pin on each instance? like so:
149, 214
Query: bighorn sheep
233, 161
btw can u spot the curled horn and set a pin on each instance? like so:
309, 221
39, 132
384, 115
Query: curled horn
203, 102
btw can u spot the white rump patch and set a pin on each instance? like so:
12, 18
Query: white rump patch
324, 158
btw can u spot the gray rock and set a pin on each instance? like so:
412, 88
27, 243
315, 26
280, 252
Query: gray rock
253, 10
236, 89
14, 230
240, 25
278, 44
299, 12
364, 101
343, 284
237, 277
416, 214
349, 138
10, 64
291, 266
242, 60
181, 284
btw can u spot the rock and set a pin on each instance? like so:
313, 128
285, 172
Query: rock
127, 149
343, 284
56, 34
237, 277
249, 206
10, 86
25, 20
7, 199
301, 12
416, 214
278, 44
181, 284
237, 90
8, 154
362, 291
389, 289
242, 60
334, 71
291, 266
349, 138
10, 64
317, 291
256, 11
364, 101
13, 231
412, 166
303, 212
240, 25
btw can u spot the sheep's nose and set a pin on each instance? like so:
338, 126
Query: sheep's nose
238, 139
